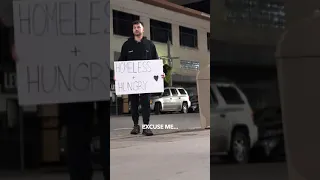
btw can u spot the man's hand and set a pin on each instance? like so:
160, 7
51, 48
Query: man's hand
163, 76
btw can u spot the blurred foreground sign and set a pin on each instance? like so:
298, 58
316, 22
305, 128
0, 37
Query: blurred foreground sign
63, 50
298, 71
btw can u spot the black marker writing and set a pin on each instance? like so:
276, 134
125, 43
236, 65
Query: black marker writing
23, 20
81, 77
62, 78
36, 79
52, 84
80, 68
93, 18
133, 67
38, 10
63, 21
132, 86
96, 72
62, 18
51, 17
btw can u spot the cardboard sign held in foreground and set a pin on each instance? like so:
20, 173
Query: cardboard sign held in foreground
138, 77
63, 50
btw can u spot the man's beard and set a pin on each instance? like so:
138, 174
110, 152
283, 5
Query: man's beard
137, 34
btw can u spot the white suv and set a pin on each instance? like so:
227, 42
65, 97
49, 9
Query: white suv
233, 132
172, 99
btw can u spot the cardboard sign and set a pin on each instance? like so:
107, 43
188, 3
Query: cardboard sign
138, 77
63, 49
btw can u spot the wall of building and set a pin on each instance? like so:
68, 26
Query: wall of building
147, 12
260, 41
239, 32
246, 42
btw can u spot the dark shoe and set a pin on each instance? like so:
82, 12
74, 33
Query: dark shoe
136, 129
147, 132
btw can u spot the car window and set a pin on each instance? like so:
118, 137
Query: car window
174, 92
182, 91
230, 95
166, 92
213, 99
190, 92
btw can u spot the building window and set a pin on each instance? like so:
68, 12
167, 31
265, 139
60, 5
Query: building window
160, 31
122, 23
261, 14
208, 41
188, 37
189, 65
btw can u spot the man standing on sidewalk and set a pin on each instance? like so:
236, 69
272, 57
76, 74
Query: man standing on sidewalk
78, 119
139, 47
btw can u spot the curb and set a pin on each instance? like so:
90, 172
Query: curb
161, 133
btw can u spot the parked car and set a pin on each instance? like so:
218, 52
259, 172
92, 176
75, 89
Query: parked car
270, 130
233, 131
192, 91
171, 100
193, 96
194, 104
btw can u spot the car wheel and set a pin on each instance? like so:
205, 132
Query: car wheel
184, 108
157, 108
240, 147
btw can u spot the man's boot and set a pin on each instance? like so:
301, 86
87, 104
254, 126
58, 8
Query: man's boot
147, 132
136, 129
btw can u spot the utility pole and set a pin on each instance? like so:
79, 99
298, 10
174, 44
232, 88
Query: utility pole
170, 59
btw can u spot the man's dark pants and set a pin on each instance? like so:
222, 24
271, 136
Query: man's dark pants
145, 107
78, 118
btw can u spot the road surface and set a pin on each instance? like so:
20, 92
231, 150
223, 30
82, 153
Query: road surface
121, 126
181, 156
176, 156
254, 171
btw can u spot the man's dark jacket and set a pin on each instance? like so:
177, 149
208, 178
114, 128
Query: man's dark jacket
134, 50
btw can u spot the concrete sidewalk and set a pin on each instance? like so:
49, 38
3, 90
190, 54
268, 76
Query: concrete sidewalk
120, 126
176, 156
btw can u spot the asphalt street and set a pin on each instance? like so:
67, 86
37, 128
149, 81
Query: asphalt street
176, 156
181, 156
120, 126
254, 171
173, 156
